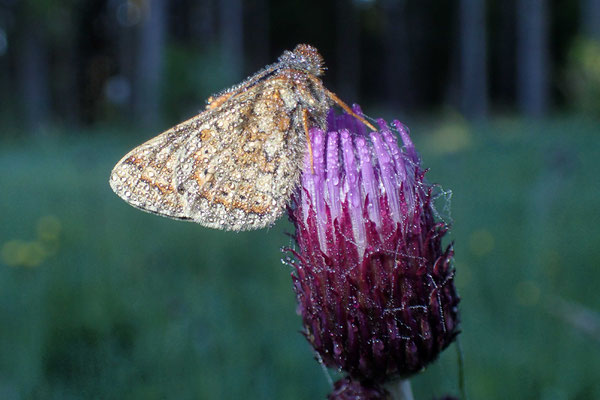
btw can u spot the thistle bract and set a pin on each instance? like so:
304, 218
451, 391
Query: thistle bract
348, 389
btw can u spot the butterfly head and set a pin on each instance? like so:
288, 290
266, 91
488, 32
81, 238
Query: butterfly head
304, 58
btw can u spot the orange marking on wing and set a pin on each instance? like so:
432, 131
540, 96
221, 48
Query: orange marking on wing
164, 189
216, 102
132, 160
205, 134
260, 207
283, 123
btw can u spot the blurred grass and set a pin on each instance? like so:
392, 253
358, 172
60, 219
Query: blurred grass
99, 300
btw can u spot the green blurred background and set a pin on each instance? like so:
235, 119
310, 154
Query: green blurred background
99, 300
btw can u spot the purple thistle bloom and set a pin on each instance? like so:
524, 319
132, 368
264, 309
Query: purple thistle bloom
375, 288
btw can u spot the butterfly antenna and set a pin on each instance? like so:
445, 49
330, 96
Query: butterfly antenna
345, 107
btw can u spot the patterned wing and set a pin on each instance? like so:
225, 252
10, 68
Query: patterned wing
143, 177
233, 167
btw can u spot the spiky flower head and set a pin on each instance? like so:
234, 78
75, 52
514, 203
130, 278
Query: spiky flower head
374, 285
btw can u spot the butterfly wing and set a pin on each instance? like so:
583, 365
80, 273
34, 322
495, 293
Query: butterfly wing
233, 167
143, 177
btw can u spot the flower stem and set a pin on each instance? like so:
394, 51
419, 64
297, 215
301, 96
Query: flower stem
461, 371
401, 390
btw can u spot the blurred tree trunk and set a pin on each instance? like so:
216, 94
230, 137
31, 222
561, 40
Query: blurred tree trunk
126, 66
32, 62
203, 26
473, 65
66, 86
231, 37
532, 57
590, 18
347, 50
149, 63
397, 65
502, 68
257, 44
6, 87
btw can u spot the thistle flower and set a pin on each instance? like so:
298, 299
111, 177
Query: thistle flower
375, 287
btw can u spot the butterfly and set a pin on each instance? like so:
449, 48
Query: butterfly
235, 165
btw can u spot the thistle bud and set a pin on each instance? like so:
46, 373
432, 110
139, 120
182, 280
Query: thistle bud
374, 285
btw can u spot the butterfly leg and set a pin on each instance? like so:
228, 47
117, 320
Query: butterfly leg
345, 107
306, 131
